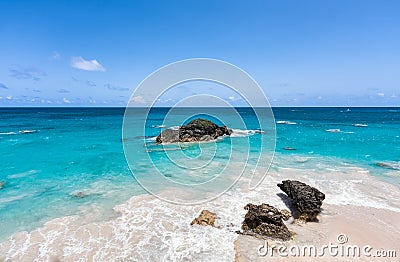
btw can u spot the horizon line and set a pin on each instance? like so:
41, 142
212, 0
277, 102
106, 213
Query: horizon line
339, 106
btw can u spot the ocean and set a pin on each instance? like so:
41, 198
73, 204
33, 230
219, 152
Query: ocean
62, 162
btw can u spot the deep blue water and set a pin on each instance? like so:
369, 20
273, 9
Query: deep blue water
50, 154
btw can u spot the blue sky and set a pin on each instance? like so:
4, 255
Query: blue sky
302, 53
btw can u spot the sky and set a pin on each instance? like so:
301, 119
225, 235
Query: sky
302, 53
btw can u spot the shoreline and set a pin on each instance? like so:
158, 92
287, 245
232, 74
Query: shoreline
359, 226
148, 228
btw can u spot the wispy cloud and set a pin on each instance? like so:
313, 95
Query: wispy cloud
90, 83
62, 91
3, 86
55, 56
138, 99
87, 65
116, 88
19, 72
66, 101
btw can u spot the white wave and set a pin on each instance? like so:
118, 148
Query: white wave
336, 130
151, 139
8, 133
149, 229
360, 125
158, 126
28, 131
286, 123
244, 133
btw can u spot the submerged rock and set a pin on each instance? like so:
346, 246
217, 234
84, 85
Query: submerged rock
206, 218
79, 194
395, 166
195, 131
306, 199
265, 221
2, 184
289, 148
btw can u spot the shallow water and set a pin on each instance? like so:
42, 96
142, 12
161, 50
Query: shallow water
50, 155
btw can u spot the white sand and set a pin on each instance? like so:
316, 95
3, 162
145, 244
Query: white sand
148, 229
378, 228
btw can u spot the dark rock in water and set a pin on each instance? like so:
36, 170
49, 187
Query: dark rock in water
195, 131
306, 199
206, 218
289, 148
2, 184
265, 221
388, 166
168, 136
79, 194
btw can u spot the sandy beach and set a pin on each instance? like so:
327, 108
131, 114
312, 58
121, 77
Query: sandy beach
361, 226
147, 228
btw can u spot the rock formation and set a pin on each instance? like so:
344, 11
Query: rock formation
306, 199
206, 218
195, 131
2, 184
264, 221
285, 214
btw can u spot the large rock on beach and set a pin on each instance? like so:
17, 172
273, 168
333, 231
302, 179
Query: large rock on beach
265, 221
206, 218
306, 199
195, 131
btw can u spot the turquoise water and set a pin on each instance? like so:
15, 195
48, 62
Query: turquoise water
48, 155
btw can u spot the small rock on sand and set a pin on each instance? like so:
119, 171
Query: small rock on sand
206, 218
265, 221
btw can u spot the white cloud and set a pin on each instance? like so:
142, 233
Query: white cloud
381, 94
8, 97
66, 101
87, 65
138, 99
231, 98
